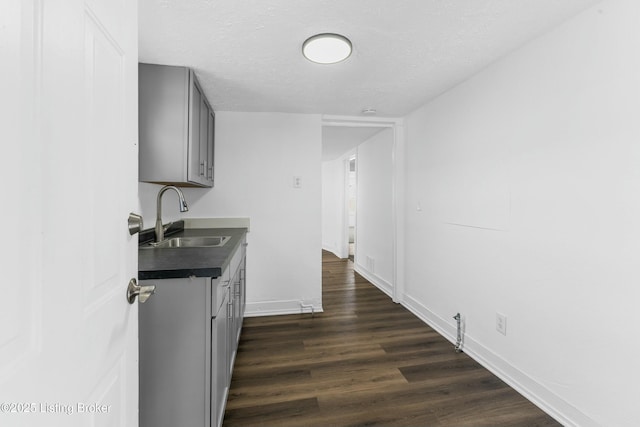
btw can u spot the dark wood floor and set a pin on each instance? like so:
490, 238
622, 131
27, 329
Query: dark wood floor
365, 361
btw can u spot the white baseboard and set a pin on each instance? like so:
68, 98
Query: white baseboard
334, 251
331, 249
378, 281
537, 393
276, 308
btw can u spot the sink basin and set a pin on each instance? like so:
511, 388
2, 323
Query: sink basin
190, 242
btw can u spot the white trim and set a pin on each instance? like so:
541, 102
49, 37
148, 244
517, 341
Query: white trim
277, 308
333, 250
334, 123
397, 214
346, 171
356, 121
376, 280
537, 393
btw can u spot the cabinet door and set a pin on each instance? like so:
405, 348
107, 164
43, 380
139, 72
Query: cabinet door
243, 292
231, 328
204, 140
164, 124
237, 307
220, 360
210, 145
174, 344
194, 170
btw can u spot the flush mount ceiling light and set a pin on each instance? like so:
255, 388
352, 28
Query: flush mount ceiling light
326, 48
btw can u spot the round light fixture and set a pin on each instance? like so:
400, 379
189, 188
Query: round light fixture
326, 48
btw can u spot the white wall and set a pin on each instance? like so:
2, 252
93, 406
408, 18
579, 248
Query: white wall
528, 176
257, 156
374, 227
333, 206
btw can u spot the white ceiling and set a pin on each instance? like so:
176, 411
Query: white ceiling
247, 53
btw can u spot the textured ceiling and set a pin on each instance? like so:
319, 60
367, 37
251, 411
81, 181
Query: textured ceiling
247, 53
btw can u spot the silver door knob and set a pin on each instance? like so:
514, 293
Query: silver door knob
142, 292
135, 223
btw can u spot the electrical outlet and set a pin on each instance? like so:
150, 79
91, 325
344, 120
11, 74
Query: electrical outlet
297, 182
501, 323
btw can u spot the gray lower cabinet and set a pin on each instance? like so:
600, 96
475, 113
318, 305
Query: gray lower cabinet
189, 333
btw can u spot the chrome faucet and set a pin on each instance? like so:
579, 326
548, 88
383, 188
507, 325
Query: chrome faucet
183, 208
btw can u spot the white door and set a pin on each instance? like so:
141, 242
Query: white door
68, 169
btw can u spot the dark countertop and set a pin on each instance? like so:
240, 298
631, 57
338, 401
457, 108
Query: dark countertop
169, 263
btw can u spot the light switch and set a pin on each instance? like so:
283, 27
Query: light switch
297, 182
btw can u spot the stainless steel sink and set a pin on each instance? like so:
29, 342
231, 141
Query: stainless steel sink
190, 242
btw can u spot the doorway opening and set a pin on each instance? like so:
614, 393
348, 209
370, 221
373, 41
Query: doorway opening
362, 221
351, 192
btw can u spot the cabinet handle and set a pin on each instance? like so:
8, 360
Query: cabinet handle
203, 167
210, 170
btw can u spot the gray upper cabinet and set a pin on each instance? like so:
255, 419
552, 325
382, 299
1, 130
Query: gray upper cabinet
176, 127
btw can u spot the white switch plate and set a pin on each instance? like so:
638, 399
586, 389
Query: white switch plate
297, 182
501, 323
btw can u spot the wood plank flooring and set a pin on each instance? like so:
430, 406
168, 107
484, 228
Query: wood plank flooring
365, 361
